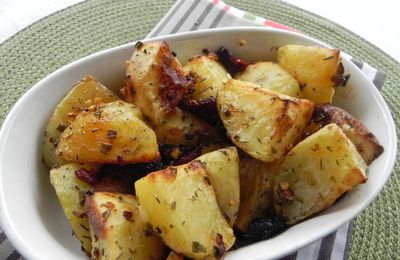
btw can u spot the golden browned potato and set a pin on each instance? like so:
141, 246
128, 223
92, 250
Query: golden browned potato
315, 68
71, 193
316, 172
117, 230
271, 76
86, 93
262, 123
157, 83
209, 75
222, 168
113, 133
366, 143
182, 208
256, 189
157, 80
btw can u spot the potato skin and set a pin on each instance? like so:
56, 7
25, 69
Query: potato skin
117, 230
114, 134
181, 206
271, 76
71, 193
366, 143
262, 123
209, 75
316, 172
157, 83
86, 93
315, 68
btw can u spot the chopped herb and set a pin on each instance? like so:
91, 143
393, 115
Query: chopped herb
328, 58
111, 134
158, 230
320, 164
105, 147
106, 214
157, 199
197, 247
98, 113
139, 45
329, 148
61, 127
173, 205
85, 228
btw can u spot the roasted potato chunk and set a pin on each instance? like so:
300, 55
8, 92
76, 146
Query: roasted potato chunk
366, 143
315, 68
316, 172
114, 133
157, 83
256, 189
85, 94
71, 193
262, 123
117, 230
271, 76
181, 206
222, 168
210, 76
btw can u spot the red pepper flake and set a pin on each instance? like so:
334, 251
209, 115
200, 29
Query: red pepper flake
86, 176
79, 213
109, 205
219, 249
127, 214
232, 64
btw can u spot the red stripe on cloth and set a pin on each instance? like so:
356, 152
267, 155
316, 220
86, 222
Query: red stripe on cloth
226, 7
215, 2
278, 25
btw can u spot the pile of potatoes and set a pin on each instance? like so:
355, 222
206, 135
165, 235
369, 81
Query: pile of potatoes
283, 148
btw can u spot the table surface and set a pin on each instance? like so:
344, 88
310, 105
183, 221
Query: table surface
378, 24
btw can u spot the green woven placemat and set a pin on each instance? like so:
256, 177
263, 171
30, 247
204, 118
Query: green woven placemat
95, 25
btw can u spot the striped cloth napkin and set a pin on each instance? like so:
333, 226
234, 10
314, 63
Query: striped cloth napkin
190, 15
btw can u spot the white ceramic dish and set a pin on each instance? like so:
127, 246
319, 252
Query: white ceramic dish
30, 213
